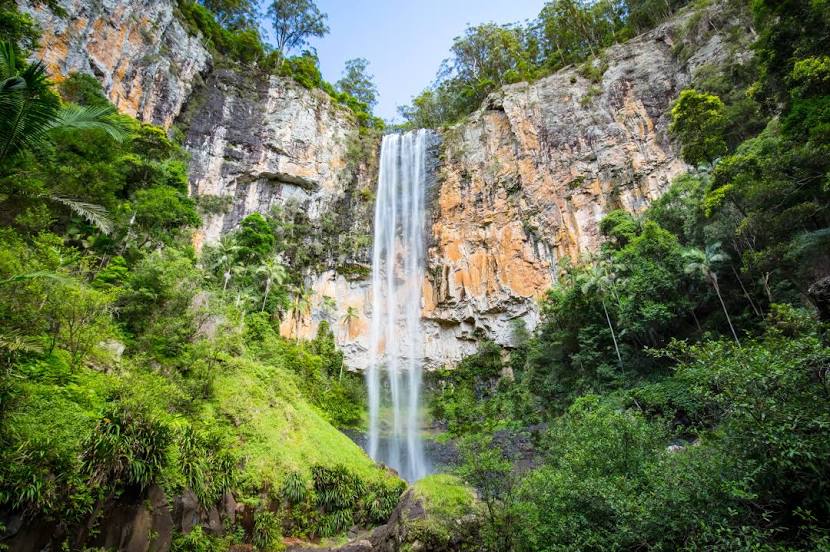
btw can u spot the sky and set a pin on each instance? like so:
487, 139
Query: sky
405, 41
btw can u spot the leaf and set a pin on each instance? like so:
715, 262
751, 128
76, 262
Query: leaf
95, 214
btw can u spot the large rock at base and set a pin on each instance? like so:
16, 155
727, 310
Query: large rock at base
140, 525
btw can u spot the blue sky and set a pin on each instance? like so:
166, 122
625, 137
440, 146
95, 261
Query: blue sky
404, 40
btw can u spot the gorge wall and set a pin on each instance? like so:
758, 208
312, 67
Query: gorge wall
520, 184
525, 180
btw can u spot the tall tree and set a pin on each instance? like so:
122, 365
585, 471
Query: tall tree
599, 280
294, 22
699, 121
300, 305
271, 272
233, 14
358, 82
703, 262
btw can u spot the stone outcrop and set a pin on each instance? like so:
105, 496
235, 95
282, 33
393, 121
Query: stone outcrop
261, 141
525, 180
142, 54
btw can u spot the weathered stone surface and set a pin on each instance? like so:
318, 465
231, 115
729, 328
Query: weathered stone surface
333, 297
143, 524
138, 49
264, 140
526, 179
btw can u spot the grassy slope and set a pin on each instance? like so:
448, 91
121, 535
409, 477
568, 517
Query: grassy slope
277, 429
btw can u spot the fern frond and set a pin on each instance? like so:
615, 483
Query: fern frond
91, 117
96, 215
12, 341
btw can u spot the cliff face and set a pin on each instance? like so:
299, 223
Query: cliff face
143, 56
262, 141
521, 183
526, 179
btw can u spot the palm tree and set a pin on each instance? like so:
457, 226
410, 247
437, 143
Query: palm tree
273, 273
224, 255
300, 305
29, 111
600, 280
328, 306
350, 316
703, 262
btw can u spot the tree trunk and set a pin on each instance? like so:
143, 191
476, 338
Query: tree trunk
613, 335
267, 290
714, 279
697, 322
746, 293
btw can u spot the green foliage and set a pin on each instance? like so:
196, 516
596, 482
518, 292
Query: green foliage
208, 464
294, 489
358, 83
294, 22
16, 28
30, 111
234, 35
267, 532
127, 447
197, 541
699, 122
565, 32
255, 239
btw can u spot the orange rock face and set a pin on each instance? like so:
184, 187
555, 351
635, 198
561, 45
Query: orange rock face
145, 59
525, 180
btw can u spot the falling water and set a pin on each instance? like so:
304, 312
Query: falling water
396, 339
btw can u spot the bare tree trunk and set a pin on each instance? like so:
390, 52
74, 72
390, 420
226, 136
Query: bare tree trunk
746, 293
267, 290
697, 322
613, 335
714, 279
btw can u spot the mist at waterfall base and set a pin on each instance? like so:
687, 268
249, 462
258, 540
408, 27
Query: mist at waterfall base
394, 375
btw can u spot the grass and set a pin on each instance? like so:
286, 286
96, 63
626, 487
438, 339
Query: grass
445, 496
278, 431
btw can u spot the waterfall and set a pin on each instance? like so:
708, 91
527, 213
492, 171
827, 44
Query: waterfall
396, 338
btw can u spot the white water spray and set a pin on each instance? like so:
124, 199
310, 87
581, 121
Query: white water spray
396, 339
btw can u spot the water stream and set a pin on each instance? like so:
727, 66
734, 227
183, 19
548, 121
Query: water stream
396, 338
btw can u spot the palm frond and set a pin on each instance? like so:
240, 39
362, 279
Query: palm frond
91, 117
13, 341
96, 215
8, 64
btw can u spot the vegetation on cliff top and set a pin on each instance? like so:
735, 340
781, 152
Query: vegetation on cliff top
566, 32
231, 31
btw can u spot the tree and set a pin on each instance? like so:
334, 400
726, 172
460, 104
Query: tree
699, 121
300, 305
703, 262
272, 272
599, 280
222, 256
357, 82
30, 111
232, 14
79, 318
255, 239
294, 22
349, 317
